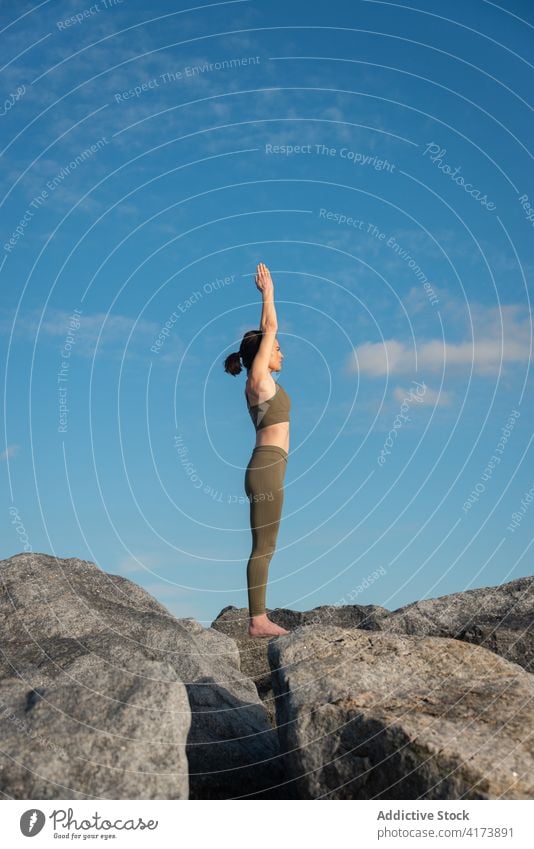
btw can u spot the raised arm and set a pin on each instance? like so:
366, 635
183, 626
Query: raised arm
265, 284
268, 324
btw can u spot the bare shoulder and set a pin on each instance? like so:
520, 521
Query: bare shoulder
260, 390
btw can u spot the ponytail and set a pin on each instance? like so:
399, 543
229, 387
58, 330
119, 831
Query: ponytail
232, 364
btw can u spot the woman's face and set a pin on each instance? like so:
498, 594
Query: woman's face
275, 363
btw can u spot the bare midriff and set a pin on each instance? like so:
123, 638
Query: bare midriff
276, 434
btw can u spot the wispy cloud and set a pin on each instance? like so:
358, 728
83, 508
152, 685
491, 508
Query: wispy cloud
502, 336
9, 452
134, 564
99, 333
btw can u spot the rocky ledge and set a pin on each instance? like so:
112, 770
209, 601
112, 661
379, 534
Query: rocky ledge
105, 694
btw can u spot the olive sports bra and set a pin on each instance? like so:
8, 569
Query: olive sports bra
272, 411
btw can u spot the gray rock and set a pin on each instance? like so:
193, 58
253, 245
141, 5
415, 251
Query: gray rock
54, 611
233, 621
344, 615
95, 731
499, 618
366, 715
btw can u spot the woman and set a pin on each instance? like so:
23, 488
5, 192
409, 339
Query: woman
268, 404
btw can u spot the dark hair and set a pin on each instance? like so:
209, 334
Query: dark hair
248, 349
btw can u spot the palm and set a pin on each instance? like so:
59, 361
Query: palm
263, 277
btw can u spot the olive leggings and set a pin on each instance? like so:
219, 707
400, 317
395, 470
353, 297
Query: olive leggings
264, 486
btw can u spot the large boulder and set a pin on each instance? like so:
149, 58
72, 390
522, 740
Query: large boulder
90, 729
233, 621
61, 613
500, 618
366, 715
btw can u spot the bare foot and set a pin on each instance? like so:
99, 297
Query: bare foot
261, 626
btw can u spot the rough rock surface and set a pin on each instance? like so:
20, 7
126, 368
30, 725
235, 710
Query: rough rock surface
92, 730
499, 618
233, 621
365, 715
105, 694
58, 615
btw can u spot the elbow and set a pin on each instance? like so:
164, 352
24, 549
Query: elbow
268, 326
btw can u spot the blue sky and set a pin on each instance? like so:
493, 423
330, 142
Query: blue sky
376, 157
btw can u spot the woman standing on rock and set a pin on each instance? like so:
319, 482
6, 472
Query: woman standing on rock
268, 404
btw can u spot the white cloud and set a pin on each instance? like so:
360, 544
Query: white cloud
500, 333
